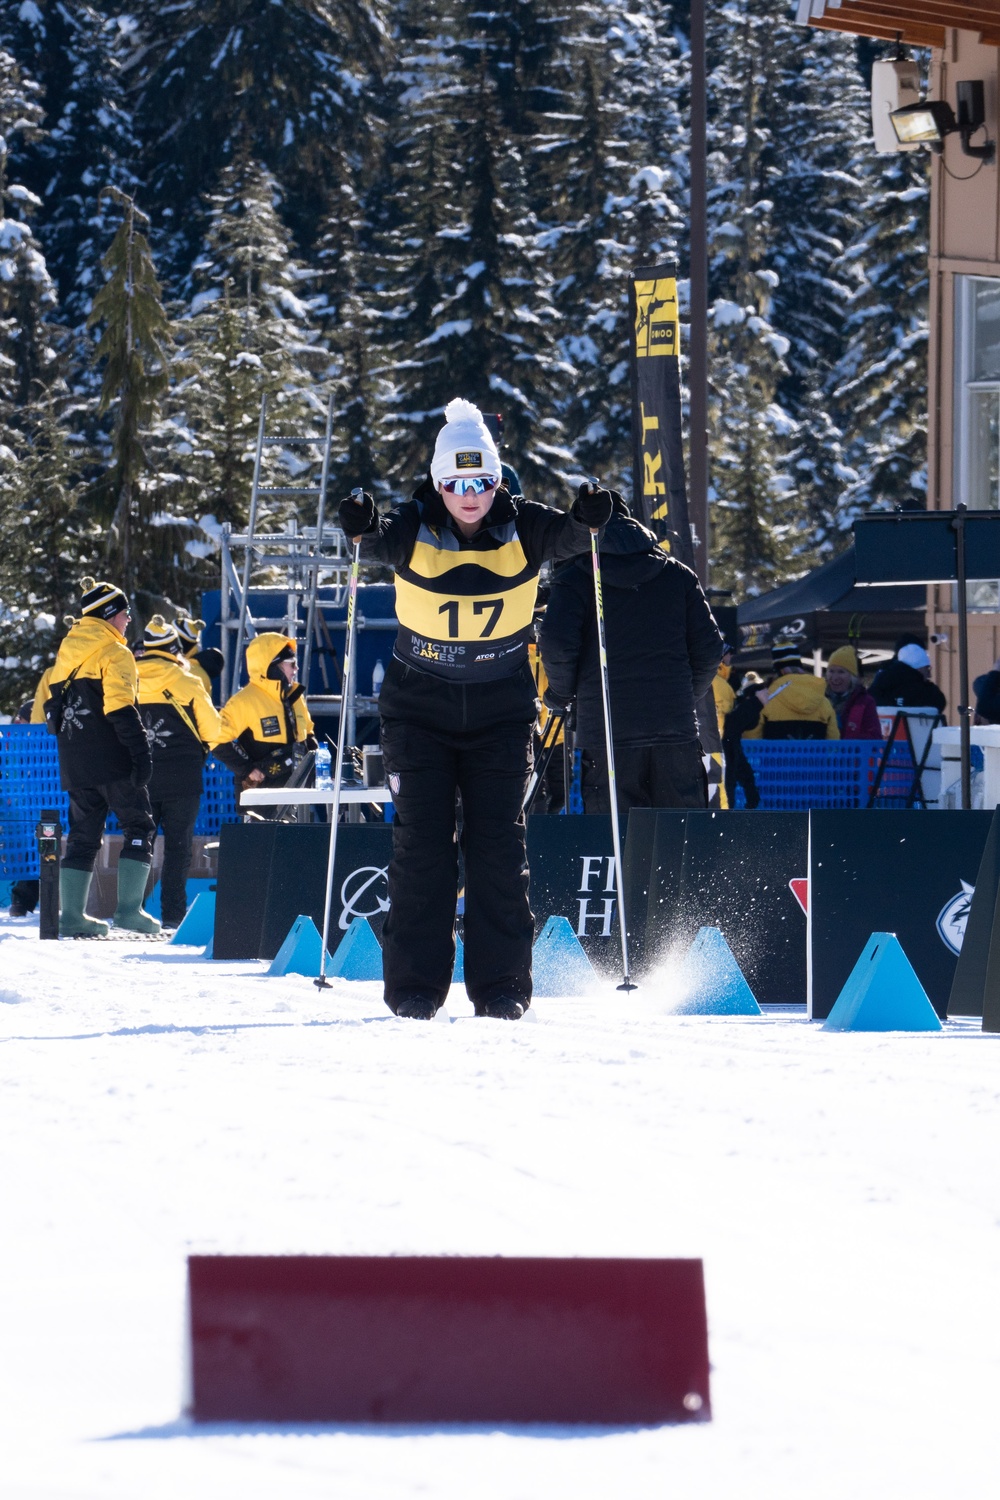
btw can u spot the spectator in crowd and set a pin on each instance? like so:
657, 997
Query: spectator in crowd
206, 662
266, 725
796, 707
722, 689
23, 893
663, 650
104, 760
182, 725
857, 714
905, 681
987, 691
743, 716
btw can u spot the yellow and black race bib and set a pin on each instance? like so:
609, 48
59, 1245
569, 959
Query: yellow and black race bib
465, 611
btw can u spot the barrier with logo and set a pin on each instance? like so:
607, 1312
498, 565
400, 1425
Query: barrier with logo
740, 874
900, 872
975, 981
270, 873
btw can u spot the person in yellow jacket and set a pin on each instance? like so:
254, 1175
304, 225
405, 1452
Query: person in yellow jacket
797, 707
104, 760
553, 790
206, 662
182, 724
264, 722
722, 692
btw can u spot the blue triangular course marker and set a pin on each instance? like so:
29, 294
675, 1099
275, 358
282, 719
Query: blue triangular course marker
195, 886
883, 993
199, 925
301, 951
358, 955
559, 965
458, 972
712, 980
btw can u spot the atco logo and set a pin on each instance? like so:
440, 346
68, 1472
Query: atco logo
952, 918
360, 894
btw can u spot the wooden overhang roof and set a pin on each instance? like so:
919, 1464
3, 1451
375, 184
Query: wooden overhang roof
922, 23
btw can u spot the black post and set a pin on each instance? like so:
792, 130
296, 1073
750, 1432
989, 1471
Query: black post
698, 271
48, 832
964, 711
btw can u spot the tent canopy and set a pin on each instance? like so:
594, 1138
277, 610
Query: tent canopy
828, 608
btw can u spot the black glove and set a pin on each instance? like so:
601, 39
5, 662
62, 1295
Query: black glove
358, 516
554, 703
142, 770
592, 508
311, 742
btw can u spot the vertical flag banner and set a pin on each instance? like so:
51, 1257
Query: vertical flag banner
658, 484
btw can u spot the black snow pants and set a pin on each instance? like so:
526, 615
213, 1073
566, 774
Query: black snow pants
441, 740
177, 817
88, 812
664, 775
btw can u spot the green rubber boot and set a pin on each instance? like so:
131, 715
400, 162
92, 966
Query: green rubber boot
74, 888
132, 877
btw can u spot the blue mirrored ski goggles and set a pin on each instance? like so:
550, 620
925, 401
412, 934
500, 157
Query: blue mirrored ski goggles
477, 486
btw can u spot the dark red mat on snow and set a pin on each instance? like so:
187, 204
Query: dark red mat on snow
447, 1339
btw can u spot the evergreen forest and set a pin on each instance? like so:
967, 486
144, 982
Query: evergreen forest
394, 202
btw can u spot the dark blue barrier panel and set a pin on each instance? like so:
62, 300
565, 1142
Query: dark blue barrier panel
572, 869
910, 873
447, 1339
731, 871
968, 989
270, 873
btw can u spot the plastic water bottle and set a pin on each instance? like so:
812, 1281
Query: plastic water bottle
377, 676
324, 780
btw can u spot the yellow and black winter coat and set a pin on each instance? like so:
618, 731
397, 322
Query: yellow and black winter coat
465, 604
262, 723
181, 722
94, 687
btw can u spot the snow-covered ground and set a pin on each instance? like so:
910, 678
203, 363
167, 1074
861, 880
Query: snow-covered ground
843, 1190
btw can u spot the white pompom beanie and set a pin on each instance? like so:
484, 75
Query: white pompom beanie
464, 447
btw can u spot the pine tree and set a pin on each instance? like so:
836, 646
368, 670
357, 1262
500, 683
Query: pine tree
27, 296
134, 345
288, 85
614, 181
249, 330
87, 142
49, 541
753, 503
881, 377
468, 308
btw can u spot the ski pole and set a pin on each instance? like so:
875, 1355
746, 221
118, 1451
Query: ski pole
602, 649
544, 756
322, 982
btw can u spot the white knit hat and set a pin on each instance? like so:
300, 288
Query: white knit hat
464, 447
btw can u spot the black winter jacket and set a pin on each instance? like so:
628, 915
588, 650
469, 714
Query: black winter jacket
663, 643
897, 685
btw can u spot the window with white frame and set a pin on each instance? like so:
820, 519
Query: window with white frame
977, 406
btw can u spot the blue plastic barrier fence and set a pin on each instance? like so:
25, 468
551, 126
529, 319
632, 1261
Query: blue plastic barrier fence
29, 782
796, 775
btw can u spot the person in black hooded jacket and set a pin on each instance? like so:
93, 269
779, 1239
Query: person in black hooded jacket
663, 650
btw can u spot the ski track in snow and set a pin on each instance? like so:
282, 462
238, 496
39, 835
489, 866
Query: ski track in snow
843, 1191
